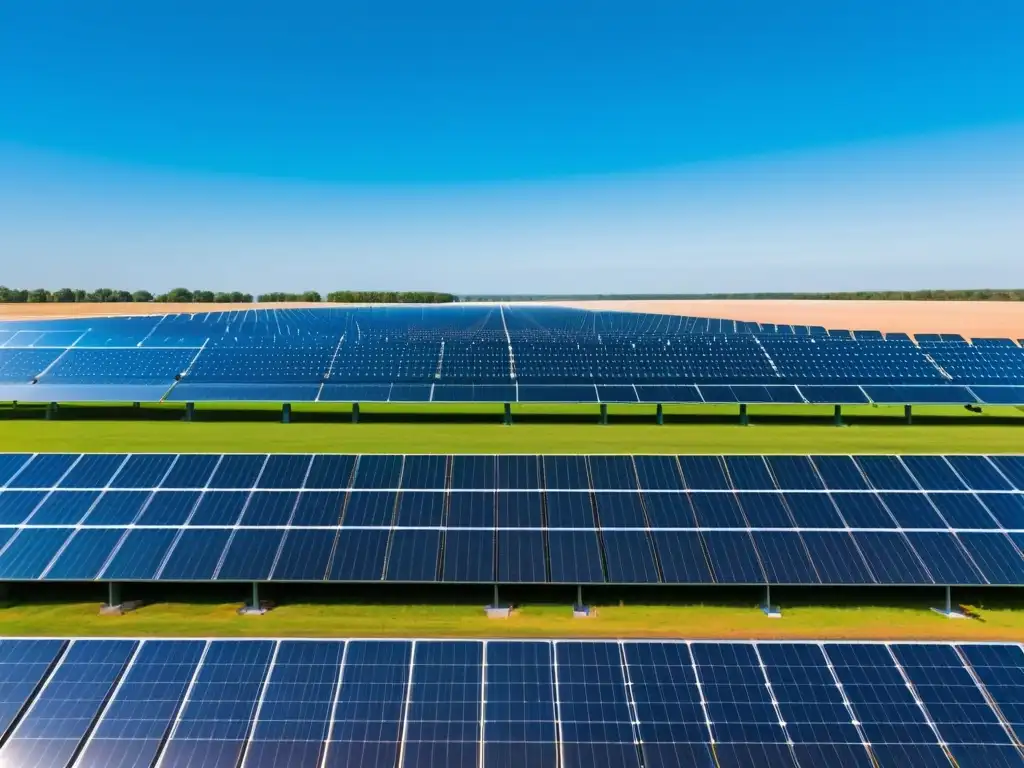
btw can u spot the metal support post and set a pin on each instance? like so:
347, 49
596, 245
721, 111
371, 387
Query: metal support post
113, 594
604, 413
286, 413
51, 411
496, 602
255, 596
579, 594
908, 414
508, 414
136, 405
190, 411
659, 414
837, 416
744, 419
355, 413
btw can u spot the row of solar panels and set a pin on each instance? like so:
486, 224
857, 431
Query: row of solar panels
211, 471
495, 704
513, 555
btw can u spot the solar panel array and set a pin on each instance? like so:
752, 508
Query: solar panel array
496, 703
492, 354
644, 519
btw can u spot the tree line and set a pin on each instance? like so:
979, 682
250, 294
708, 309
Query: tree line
187, 296
970, 294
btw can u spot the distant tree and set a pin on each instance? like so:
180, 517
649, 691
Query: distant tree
142, 296
39, 296
123, 297
312, 297
222, 297
64, 295
237, 297
203, 296
81, 295
176, 296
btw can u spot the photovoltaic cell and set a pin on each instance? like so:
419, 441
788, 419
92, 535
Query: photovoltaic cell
144, 470
963, 510
169, 508
794, 473
683, 558
471, 509
369, 508
978, 473
891, 558
284, 471
378, 472
836, 558
117, 508
305, 555
519, 509
620, 510
765, 510
196, 555
840, 473
749, 473
191, 471
10, 464
426, 472
219, 508
44, 471
669, 510
85, 553
319, 508
24, 664
1006, 508
565, 473
717, 510
575, 557
474, 472
521, 557
629, 558
140, 554
1000, 668
995, 555
250, 555
813, 510
30, 551
468, 555
570, 510
237, 471
269, 508
518, 472
92, 471
16, 506
331, 472
64, 508
659, 473
933, 473
704, 473
886, 473
784, 557
519, 712
613, 473
413, 555
361, 554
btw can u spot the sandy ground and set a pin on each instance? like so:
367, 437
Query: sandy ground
969, 318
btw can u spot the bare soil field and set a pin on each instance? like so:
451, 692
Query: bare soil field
972, 319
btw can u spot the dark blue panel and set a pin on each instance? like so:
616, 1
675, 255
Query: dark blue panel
613, 473
304, 556
955, 705
836, 558
471, 509
196, 555
518, 472
519, 713
219, 508
44, 471
254, 393
682, 556
64, 508
331, 472
933, 473
64, 712
566, 473
443, 714
368, 393
474, 472
813, 510
92, 471
795, 473
1001, 670
891, 558
425, 472
140, 555
841, 395
138, 719
704, 472
963, 510
995, 555
217, 718
594, 706
368, 714
570, 510
863, 510
733, 558
1011, 467
319, 508
617, 393
978, 473
912, 510
658, 473
946, 561
765, 510
169, 508
413, 555
810, 702
840, 473
118, 508
519, 509
250, 555
191, 471
23, 666
669, 510
671, 719
468, 556
359, 554
886, 473
409, 393
521, 557
738, 701
28, 553
85, 554
937, 395
474, 393
284, 471
620, 510
999, 395
237, 471
267, 508
629, 558
784, 558
16, 506
295, 712
564, 393
575, 557
1006, 508
749, 473
717, 510
370, 508
11, 464
658, 393
378, 472
144, 470
420, 509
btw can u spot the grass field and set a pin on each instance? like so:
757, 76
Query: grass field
332, 620
143, 436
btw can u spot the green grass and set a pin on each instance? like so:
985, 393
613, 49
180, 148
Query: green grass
246, 436
332, 620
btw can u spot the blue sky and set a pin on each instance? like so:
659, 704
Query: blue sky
537, 147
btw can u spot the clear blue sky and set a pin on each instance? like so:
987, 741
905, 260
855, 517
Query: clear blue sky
400, 144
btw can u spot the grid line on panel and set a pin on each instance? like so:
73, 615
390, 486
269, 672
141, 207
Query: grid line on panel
634, 717
775, 701
1004, 722
199, 500
41, 686
483, 705
185, 700
700, 696
24, 464
334, 707
846, 702
247, 744
559, 737
406, 705
920, 704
